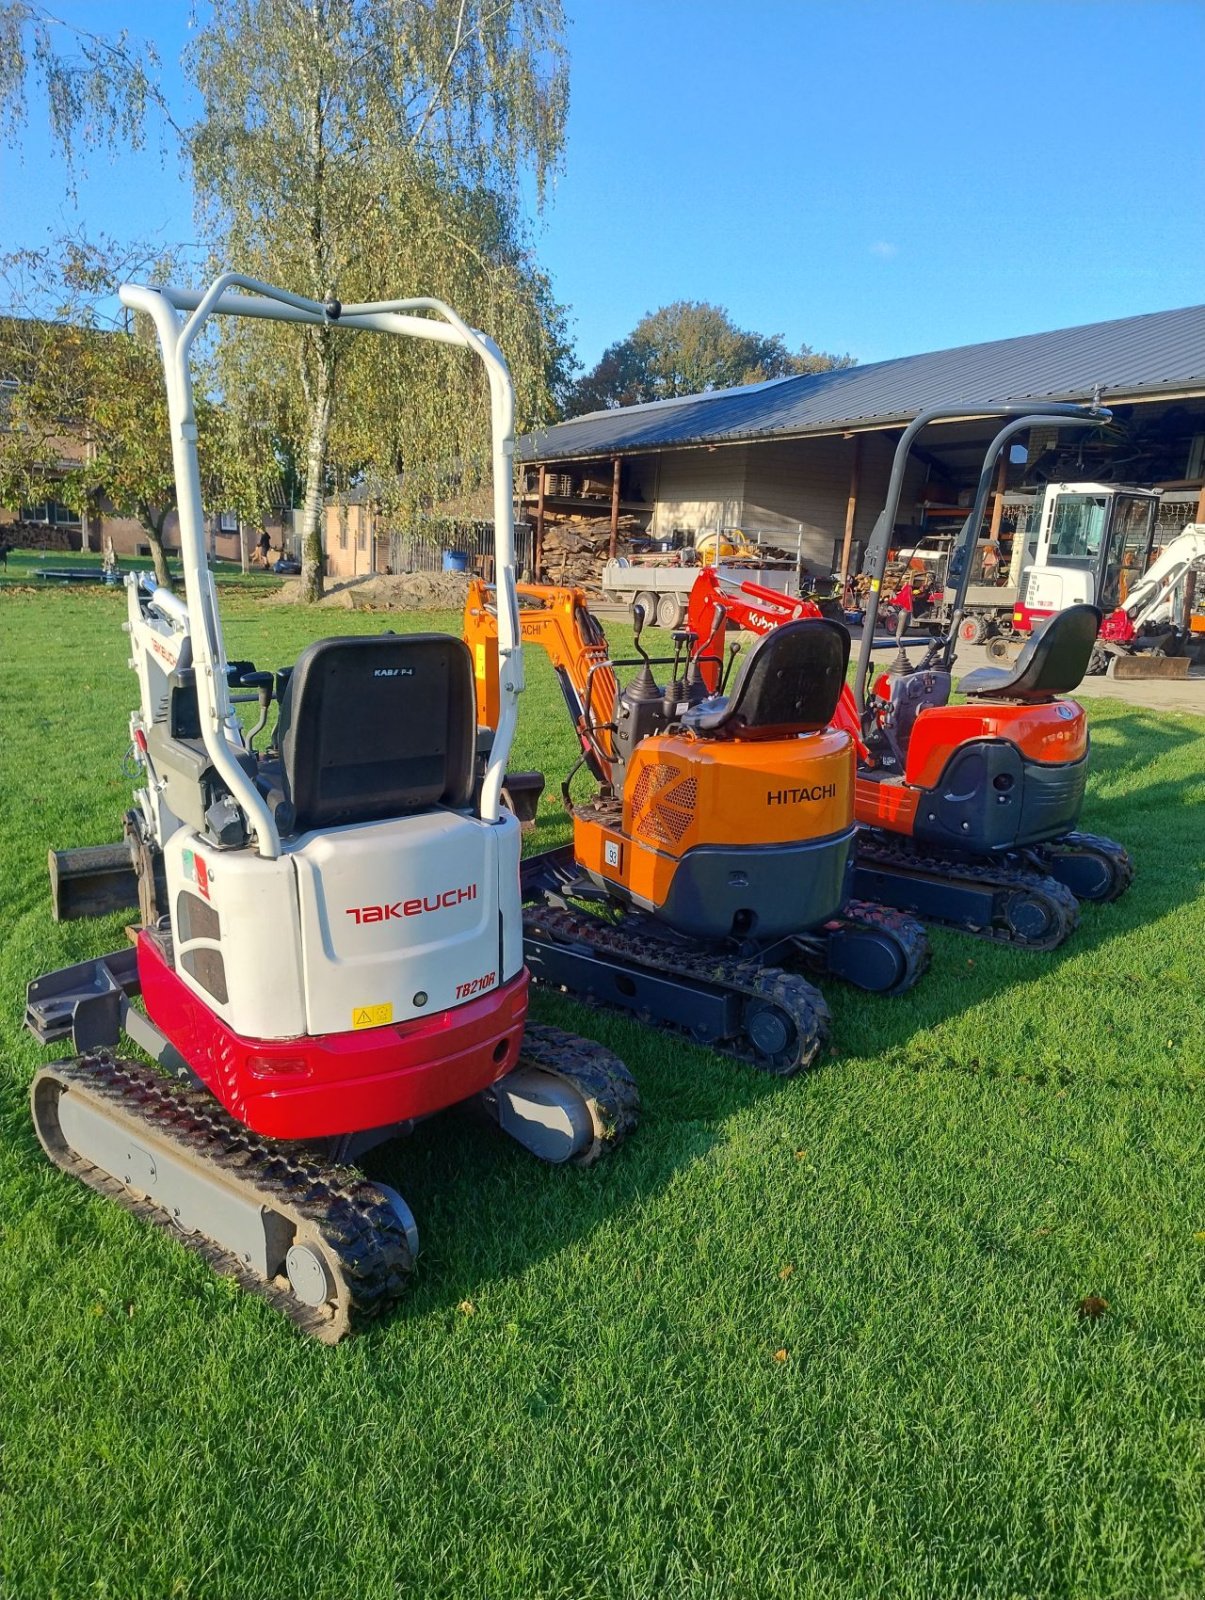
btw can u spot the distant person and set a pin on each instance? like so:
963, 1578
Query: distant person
265, 544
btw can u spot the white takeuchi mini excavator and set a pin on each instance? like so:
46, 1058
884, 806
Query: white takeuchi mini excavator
331, 941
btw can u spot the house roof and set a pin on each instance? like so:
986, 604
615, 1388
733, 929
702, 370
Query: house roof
1129, 358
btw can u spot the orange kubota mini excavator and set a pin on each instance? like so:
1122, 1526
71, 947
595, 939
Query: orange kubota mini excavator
966, 813
715, 849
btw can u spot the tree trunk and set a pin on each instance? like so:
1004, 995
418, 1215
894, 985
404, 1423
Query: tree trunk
154, 532
313, 519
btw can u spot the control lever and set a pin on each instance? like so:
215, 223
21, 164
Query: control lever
734, 650
638, 622
720, 624
262, 683
644, 684
901, 665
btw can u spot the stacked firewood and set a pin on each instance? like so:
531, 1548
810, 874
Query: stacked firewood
575, 548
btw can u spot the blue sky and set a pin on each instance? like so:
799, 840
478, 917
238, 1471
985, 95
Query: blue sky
881, 178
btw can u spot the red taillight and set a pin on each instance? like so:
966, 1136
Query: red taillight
278, 1066
140, 739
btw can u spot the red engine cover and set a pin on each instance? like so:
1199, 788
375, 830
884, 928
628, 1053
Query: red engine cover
1052, 734
318, 1086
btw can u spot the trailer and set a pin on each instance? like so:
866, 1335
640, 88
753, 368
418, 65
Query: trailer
662, 589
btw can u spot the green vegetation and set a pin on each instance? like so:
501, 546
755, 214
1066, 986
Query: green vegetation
820, 1337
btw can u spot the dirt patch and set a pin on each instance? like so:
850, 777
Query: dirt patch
405, 591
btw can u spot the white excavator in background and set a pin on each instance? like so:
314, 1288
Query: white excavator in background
1096, 546
1155, 622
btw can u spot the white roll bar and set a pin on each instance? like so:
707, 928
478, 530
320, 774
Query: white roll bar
167, 308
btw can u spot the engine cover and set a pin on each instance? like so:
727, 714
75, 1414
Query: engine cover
355, 927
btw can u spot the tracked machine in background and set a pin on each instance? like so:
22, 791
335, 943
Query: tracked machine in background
331, 943
966, 813
706, 882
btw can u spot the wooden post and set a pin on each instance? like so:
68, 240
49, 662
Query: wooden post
615, 509
851, 510
538, 553
998, 502
1200, 516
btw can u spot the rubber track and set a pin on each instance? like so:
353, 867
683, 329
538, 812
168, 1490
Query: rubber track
880, 850
1116, 854
900, 926
801, 1000
362, 1236
594, 1072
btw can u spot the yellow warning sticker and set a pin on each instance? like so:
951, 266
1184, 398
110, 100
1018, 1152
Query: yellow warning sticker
371, 1016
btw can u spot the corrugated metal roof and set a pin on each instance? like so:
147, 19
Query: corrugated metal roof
1134, 355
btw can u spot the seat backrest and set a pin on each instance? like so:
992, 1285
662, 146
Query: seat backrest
1052, 663
790, 683
377, 727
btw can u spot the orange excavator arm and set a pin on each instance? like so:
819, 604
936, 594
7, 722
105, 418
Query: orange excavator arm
559, 621
716, 600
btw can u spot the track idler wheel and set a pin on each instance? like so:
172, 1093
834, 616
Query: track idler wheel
784, 1026
1092, 867
876, 948
567, 1099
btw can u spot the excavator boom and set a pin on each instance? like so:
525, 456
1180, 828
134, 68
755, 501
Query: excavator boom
559, 621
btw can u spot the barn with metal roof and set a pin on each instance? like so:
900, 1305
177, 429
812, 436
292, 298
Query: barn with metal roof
805, 459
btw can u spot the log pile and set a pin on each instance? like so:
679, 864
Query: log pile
576, 548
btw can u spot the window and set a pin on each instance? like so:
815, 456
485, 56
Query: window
52, 514
1077, 528
227, 521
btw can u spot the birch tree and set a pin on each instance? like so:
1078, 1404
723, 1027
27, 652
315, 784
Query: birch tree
100, 91
367, 149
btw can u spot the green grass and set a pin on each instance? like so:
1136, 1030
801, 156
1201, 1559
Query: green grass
816, 1337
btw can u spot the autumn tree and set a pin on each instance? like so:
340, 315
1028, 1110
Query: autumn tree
687, 348
371, 149
86, 420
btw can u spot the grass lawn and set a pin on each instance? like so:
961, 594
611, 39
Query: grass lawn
816, 1337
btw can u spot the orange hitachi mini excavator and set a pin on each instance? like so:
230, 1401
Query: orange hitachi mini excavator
716, 846
966, 813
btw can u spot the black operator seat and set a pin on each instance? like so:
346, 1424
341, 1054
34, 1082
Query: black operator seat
790, 683
1052, 663
376, 727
